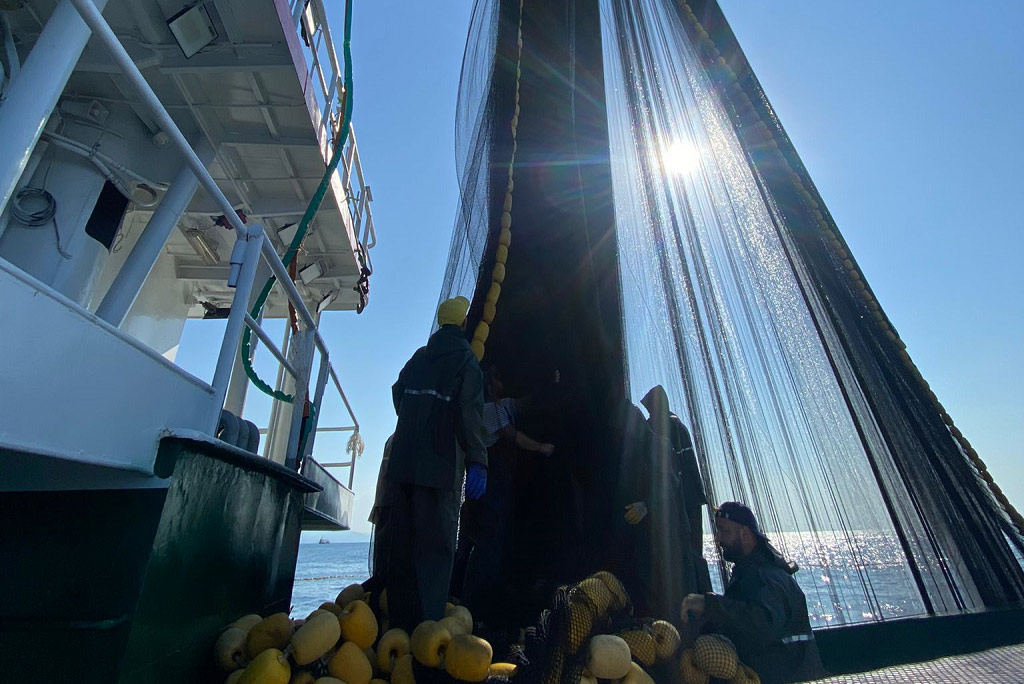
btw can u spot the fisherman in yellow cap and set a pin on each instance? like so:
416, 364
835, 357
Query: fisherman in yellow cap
438, 441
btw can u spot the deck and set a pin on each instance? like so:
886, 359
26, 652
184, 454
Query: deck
994, 666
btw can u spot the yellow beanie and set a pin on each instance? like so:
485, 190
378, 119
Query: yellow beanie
452, 311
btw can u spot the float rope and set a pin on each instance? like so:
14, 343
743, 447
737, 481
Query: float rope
761, 133
307, 218
483, 328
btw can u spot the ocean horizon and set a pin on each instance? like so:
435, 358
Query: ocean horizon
857, 579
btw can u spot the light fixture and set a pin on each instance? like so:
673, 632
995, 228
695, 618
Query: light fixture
203, 246
287, 233
326, 302
192, 29
311, 272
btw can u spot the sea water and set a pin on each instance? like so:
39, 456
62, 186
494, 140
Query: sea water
323, 570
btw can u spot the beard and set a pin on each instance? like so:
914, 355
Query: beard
731, 554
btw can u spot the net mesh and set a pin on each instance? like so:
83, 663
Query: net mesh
736, 293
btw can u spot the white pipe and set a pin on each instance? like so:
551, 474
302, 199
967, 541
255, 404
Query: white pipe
31, 98
130, 279
93, 17
101, 164
90, 153
236, 320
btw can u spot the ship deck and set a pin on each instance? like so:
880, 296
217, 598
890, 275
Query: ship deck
994, 666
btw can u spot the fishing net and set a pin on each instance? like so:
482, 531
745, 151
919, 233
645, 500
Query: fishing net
666, 233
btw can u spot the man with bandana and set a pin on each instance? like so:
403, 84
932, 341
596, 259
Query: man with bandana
763, 610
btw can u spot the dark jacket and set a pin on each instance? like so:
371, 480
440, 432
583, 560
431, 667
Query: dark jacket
687, 471
439, 400
764, 613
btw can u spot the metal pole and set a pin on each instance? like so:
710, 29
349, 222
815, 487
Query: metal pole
271, 347
144, 255
300, 355
31, 97
318, 402
297, 10
94, 18
229, 347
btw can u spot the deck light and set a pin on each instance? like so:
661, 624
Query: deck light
311, 272
203, 247
192, 28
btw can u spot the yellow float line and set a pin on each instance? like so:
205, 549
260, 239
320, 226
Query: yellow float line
761, 132
483, 328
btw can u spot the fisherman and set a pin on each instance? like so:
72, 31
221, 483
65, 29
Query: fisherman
438, 440
665, 512
763, 611
380, 518
485, 525
685, 474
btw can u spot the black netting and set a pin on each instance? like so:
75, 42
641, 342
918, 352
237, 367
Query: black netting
474, 124
664, 232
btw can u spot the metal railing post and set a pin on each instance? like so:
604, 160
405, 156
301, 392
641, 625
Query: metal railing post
300, 355
318, 402
31, 97
229, 347
144, 254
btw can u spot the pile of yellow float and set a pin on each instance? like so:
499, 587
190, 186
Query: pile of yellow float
338, 639
713, 655
338, 644
620, 654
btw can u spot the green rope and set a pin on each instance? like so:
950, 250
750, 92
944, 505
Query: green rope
307, 218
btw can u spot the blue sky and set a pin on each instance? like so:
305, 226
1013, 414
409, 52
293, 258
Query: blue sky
906, 115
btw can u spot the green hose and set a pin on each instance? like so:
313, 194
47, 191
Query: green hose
307, 218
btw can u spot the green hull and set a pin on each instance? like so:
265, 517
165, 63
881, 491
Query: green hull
134, 585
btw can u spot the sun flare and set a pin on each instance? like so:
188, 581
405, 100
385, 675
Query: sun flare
681, 157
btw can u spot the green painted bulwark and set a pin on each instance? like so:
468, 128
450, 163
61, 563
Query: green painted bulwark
226, 546
71, 566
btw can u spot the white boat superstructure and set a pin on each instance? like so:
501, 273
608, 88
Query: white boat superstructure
156, 162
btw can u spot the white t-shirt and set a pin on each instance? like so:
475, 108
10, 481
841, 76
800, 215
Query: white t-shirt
497, 416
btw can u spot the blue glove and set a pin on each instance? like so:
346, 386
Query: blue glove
476, 481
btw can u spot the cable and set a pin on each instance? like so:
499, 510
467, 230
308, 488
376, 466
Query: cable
38, 217
107, 167
307, 218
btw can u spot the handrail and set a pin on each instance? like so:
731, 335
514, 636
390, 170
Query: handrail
269, 343
250, 246
337, 383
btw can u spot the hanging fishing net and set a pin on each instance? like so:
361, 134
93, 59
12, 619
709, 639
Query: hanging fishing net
664, 232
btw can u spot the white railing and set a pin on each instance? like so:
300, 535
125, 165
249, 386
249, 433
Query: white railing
251, 245
310, 21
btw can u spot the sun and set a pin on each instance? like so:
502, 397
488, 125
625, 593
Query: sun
680, 157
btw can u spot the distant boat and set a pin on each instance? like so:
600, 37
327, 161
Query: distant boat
323, 541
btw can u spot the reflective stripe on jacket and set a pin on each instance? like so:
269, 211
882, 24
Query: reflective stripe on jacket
439, 401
